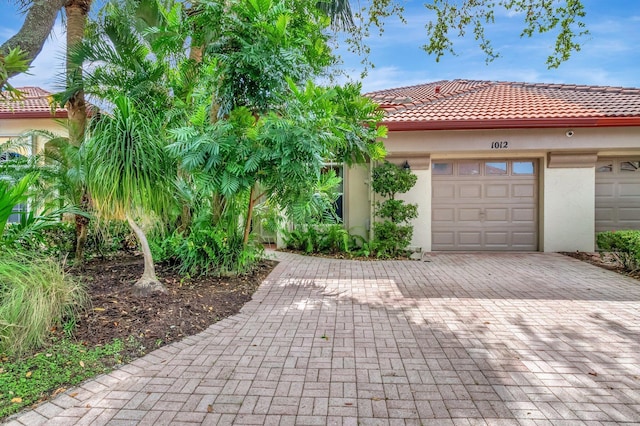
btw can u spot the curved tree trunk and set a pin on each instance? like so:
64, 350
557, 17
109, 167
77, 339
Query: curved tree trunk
148, 283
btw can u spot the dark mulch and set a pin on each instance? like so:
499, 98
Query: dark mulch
603, 260
189, 307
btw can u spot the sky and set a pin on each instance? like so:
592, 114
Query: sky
609, 54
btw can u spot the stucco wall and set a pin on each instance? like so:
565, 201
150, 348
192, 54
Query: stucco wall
357, 200
569, 209
566, 199
10, 128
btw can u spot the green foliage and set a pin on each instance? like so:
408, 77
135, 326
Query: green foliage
35, 295
24, 381
454, 18
320, 239
11, 196
389, 179
15, 61
208, 247
393, 234
625, 245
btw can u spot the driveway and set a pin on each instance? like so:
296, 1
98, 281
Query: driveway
522, 339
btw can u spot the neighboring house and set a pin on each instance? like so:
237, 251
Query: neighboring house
506, 166
32, 112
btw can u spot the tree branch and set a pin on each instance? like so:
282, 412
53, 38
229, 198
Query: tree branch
37, 26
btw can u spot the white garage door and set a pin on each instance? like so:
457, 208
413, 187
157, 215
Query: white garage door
485, 205
617, 194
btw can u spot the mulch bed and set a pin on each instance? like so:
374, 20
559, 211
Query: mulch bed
189, 307
603, 260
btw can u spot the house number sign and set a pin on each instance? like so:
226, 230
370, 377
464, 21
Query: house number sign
499, 145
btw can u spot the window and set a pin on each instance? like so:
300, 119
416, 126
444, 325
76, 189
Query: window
338, 205
604, 167
18, 210
523, 167
442, 168
629, 166
469, 168
496, 168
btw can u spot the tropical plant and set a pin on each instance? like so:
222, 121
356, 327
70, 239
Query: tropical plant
35, 295
393, 234
129, 173
624, 245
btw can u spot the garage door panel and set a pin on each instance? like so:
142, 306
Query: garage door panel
604, 214
444, 238
523, 191
444, 214
605, 189
629, 189
617, 194
497, 238
470, 238
629, 214
523, 239
470, 191
523, 215
497, 190
496, 215
496, 210
445, 191
469, 215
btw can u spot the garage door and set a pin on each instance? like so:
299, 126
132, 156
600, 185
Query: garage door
485, 205
617, 194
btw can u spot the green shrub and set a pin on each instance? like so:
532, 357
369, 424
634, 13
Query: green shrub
320, 239
624, 245
393, 234
35, 295
206, 250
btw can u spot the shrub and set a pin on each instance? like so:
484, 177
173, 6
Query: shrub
35, 295
320, 239
624, 245
206, 250
393, 234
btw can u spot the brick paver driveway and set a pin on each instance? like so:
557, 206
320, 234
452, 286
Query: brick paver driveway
457, 339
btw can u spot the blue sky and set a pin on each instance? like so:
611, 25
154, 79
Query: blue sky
609, 55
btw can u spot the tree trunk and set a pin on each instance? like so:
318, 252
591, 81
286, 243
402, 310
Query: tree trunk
82, 229
148, 283
36, 28
247, 224
77, 12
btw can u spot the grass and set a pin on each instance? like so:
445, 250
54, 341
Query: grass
25, 381
35, 296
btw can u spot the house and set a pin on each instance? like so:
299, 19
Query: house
31, 112
505, 166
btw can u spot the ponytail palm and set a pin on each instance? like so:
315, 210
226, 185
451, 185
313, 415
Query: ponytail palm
129, 172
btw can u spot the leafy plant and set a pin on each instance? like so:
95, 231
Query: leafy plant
35, 295
393, 234
24, 381
624, 245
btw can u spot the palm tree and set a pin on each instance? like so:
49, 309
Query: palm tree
128, 174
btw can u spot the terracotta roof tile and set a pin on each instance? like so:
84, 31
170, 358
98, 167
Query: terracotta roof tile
447, 104
36, 103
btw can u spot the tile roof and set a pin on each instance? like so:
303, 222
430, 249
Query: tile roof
469, 104
36, 103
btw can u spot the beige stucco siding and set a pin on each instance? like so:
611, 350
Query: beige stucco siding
10, 128
566, 192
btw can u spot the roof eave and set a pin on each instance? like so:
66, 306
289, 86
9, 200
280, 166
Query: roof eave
35, 114
529, 123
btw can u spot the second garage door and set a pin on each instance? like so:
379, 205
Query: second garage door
485, 205
617, 194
